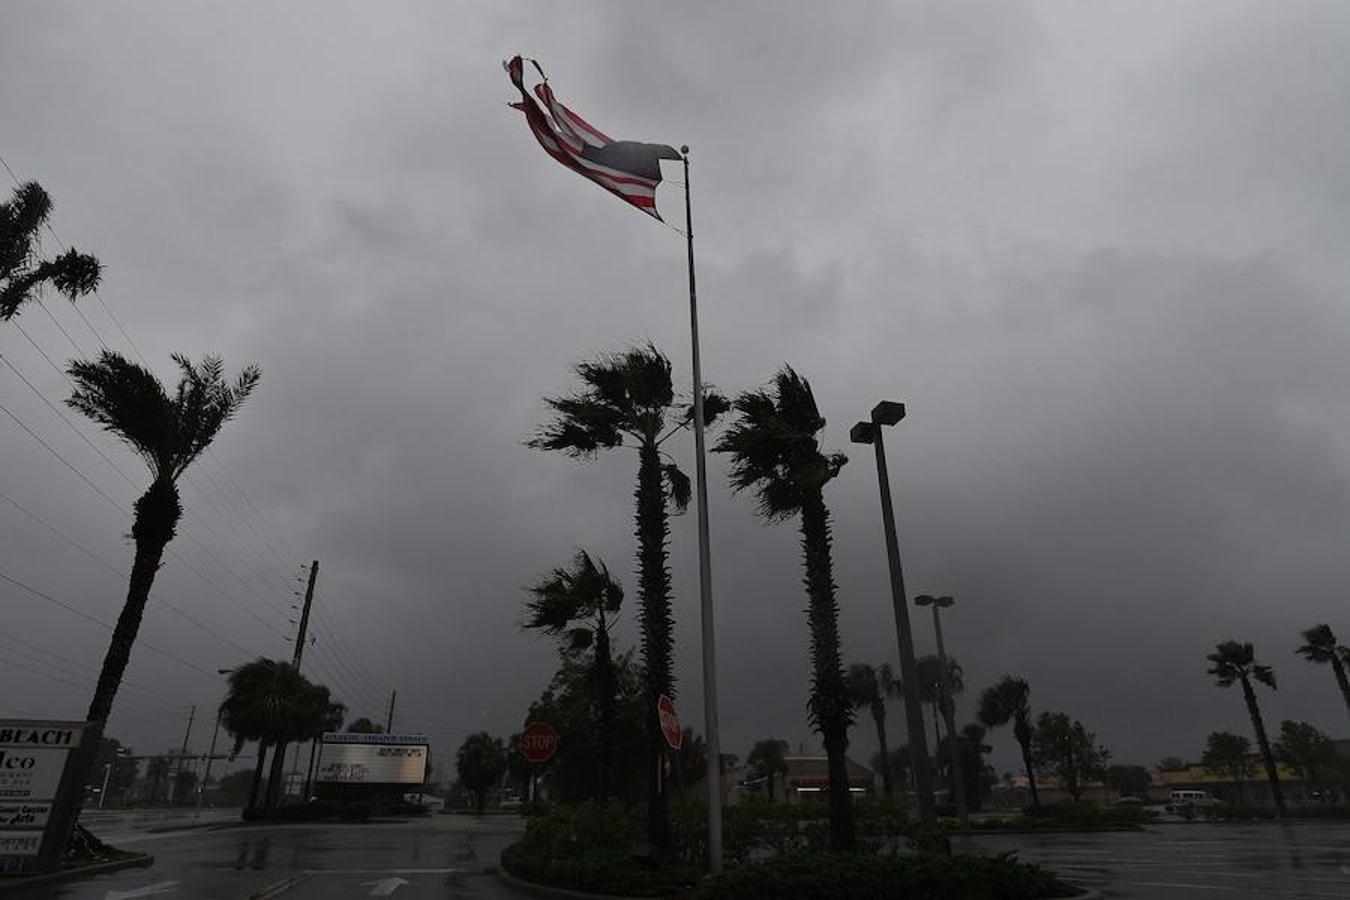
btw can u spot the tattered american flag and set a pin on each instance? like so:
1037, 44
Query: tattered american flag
629, 169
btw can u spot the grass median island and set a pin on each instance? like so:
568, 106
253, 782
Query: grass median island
770, 852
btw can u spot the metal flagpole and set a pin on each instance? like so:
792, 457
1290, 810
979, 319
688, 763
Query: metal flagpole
704, 563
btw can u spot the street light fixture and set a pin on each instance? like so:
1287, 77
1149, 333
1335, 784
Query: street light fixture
948, 704
886, 413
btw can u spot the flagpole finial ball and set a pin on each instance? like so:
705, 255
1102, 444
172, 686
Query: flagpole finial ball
684, 148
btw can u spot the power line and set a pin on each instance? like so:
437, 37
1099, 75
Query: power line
83, 670
65, 462
97, 621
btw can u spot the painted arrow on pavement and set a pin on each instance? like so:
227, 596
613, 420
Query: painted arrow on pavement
150, 890
385, 886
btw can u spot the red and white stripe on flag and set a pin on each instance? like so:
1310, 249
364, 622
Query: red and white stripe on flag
628, 169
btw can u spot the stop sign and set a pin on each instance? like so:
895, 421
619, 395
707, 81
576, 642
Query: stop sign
670, 722
538, 742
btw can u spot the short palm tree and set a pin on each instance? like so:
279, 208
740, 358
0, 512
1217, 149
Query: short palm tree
1009, 700
169, 432
767, 759
1234, 662
869, 688
1320, 647
23, 272
579, 605
261, 704
775, 452
627, 400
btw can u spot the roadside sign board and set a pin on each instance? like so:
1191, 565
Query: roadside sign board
35, 769
372, 758
670, 722
538, 742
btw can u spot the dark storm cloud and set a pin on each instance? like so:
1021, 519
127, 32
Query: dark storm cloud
1096, 250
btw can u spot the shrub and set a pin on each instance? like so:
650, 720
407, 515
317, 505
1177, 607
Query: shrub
838, 877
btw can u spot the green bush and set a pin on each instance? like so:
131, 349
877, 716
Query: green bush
597, 871
837, 877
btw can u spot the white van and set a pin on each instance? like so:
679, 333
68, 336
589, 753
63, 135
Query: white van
1180, 799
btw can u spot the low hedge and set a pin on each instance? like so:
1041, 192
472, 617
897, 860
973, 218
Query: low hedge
839, 877
597, 872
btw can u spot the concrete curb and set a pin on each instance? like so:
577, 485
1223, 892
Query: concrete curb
19, 882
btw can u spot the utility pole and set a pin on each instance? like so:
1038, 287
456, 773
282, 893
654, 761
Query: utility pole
210, 756
304, 615
389, 723
182, 754
278, 770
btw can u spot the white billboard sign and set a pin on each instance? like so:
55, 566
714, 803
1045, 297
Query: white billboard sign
372, 759
33, 760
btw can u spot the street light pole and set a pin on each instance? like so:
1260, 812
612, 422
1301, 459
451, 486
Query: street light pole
948, 703
888, 413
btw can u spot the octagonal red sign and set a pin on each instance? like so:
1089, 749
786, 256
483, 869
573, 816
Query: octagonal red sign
538, 742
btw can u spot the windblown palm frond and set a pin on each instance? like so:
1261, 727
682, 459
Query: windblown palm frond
774, 449
169, 433
22, 271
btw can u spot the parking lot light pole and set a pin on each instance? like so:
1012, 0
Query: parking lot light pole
887, 413
948, 703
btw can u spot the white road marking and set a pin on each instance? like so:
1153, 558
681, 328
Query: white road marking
385, 886
149, 890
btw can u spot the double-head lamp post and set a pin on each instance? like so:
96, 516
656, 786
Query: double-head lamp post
948, 708
887, 413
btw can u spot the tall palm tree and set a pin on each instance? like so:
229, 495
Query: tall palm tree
23, 272
261, 704
928, 672
775, 452
869, 688
1320, 647
579, 604
169, 432
1235, 663
1009, 699
627, 400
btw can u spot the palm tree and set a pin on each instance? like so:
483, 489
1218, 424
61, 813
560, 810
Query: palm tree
870, 688
1235, 663
260, 705
1009, 699
169, 433
330, 720
627, 400
579, 604
310, 710
928, 672
775, 451
768, 758
23, 273
1321, 648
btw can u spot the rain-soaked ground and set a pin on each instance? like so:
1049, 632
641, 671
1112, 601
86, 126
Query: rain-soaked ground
445, 857
438, 857
1230, 861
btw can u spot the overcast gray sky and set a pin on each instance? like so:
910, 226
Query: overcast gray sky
1097, 249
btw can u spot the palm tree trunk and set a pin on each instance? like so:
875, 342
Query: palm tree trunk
1024, 741
654, 608
257, 775
157, 514
277, 776
604, 709
1338, 667
1267, 758
885, 753
830, 708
